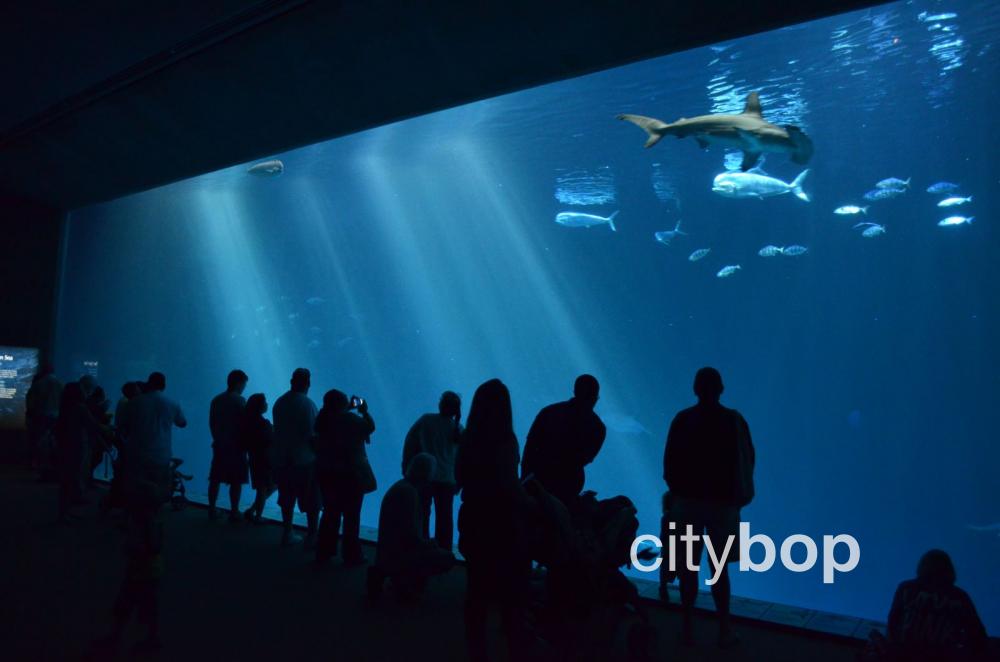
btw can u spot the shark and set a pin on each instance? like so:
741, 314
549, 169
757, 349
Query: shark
748, 132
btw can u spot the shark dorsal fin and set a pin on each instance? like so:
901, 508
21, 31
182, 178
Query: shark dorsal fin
753, 105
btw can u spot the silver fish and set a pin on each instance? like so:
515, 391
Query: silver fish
850, 210
571, 219
699, 254
883, 194
942, 188
795, 251
952, 221
727, 271
770, 251
954, 201
271, 168
666, 236
871, 229
894, 182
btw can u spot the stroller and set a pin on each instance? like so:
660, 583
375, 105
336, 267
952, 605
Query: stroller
178, 492
587, 609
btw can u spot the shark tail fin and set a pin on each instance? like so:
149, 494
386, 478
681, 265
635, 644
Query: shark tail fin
797, 186
654, 128
611, 221
970, 219
907, 182
969, 199
677, 229
864, 210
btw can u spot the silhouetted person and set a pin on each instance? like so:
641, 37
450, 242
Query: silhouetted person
438, 435
41, 412
564, 439
256, 435
344, 474
74, 424
404, 554
151, 419
99, 405
229, 459
293, 459
147, 486
708, 466
491, 520
931, 619
115, 497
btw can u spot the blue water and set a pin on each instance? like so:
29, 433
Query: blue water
424, 256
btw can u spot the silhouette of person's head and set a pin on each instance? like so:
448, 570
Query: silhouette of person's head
301, 380
935, 568
131, 389
490, 416
420, 470
45, 368
72, 395
450, 404
587, 390
237, 381
257, 404
708, 385
88, 384
157, 381
336, 401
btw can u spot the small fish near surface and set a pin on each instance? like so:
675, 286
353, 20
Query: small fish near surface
870, 229
770, 251
728, 270
756, 184
943, 188
953, 221
666, 236
988, 528
850, 210
954, 201
748, 132
699, 254
894, 182
926, 17
794, 251
271, 168
572, 219
883, 194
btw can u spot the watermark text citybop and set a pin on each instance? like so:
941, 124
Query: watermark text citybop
717, 558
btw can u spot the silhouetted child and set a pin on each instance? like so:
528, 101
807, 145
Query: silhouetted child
667, 575
931, 619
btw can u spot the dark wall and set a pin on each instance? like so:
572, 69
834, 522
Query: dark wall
29, 272
29, 279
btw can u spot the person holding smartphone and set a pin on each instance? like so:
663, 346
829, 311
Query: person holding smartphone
343, 472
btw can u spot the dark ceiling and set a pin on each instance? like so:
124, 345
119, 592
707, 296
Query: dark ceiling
110, 97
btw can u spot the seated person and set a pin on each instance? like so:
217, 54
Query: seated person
403, 554
931, 618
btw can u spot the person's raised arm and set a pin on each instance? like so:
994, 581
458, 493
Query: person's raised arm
366, 420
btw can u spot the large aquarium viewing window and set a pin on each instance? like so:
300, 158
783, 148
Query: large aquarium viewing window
848, 296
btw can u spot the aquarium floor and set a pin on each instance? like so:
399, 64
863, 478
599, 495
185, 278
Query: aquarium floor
230, 593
